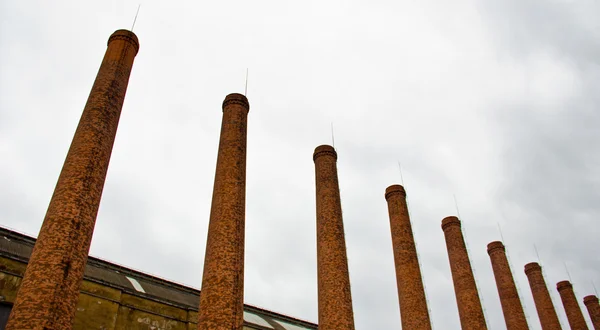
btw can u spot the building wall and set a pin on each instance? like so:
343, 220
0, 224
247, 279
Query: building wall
116, 297
104, 307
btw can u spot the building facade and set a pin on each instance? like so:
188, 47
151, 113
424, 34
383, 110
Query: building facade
113, 297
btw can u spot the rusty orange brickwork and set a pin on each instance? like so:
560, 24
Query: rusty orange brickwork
514, 316
467, 296
49, 292
411, 293
222, 292
572, 309
593, 307
541, 297
335, 299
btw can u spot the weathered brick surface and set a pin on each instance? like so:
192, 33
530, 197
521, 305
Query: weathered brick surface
335, 300
467, 297
593, 307
411, 294
541, 297
514, 316
572, 309
48, 295
222, 293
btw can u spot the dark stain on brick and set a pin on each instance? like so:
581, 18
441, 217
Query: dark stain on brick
49, 291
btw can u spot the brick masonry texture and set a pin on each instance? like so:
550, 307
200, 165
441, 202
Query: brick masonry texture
48, 295
507, 290
411, 294
467, 297
572, 309
222, 293
335, 300
541, 297
593, 307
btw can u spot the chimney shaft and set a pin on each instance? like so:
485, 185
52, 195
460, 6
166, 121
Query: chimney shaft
411, 294
222, 293
541, 297
572, 309
335, 300
49, 292
507, 290
593, 307
467, 297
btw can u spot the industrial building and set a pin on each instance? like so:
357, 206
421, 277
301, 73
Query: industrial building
51, 283
116, 297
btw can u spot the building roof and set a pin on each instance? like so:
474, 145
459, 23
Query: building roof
18, 246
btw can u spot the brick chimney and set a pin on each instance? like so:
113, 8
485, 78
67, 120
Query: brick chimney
48, 294
593, 307
572, 309
541, 297
222, 292
514, 317
411, 294
467, 297
335, 300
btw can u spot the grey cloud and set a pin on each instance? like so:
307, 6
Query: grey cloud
494, 103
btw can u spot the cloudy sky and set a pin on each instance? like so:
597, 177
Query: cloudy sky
495, 103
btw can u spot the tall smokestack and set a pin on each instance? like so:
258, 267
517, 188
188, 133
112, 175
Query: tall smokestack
572, 309
507, 290
467, 297
48, 294
222, 293
335, 300
593, 307
413, 304
541, 297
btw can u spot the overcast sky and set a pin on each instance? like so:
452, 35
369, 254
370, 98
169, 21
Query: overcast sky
494, 102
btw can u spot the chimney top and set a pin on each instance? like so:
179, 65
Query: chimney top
495, 245
450, 221
323, 150
562, 285
394, 189
591, 299
236, 98
532, 266
127, 36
